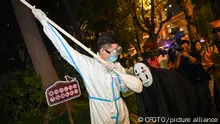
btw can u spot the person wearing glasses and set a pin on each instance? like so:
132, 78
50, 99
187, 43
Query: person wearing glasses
101, 82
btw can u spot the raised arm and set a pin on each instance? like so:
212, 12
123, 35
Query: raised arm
79, 61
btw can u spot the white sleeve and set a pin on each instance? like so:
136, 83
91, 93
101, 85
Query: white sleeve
79, 61
123, 87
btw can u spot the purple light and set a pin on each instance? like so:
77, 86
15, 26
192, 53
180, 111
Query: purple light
202, 40
167, 45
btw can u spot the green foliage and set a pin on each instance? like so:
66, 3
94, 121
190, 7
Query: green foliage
22, 99
203, 18
131, 103
107, 15
98, 15
149, 16
124, 26
147, 8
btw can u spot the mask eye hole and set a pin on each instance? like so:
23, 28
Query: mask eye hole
146, 76
141, 79
135, 71
142, 68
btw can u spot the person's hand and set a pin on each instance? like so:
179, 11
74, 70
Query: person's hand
110, 66
216, 51
179, 54
185, 54
192, 59
39, 14
118, 67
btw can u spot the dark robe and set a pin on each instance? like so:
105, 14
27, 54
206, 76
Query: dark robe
195, 73
217, 76
170, 95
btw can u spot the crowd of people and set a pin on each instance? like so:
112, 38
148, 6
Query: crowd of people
197, 61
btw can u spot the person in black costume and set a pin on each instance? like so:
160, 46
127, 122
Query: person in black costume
170, 94
189, 66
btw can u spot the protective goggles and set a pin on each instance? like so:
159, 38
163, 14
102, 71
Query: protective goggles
215, 30
115, 52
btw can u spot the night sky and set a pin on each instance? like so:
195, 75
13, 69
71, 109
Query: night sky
10, 37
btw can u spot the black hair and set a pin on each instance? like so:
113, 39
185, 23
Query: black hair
171, 55
215, 30
107, 38
178, 41
193, 48
162, 52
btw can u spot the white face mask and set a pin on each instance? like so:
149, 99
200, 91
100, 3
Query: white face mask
143, 73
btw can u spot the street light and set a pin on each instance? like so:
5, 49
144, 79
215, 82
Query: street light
170, 5
165, 9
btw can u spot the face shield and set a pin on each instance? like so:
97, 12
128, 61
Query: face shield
115, 52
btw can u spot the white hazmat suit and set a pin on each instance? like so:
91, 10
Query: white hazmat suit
103, 85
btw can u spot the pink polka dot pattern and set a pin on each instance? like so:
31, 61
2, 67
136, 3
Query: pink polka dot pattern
62, 91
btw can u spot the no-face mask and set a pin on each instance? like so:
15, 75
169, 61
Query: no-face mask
143, 73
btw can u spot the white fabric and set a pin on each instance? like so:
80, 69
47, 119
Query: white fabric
103, 86
39, 14
144, 74
110, 66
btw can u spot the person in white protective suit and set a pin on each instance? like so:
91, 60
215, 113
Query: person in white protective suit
102, 84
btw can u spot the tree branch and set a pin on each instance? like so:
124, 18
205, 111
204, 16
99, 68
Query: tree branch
133, 6
152, 14
161, 24
139, 24
146, 20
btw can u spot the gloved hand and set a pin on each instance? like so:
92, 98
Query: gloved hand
119, 68
39, 14
110, 66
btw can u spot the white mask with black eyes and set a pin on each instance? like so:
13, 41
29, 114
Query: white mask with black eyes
143, 73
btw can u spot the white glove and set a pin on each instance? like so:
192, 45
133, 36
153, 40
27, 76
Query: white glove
110, 66
119, 68
39, 14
